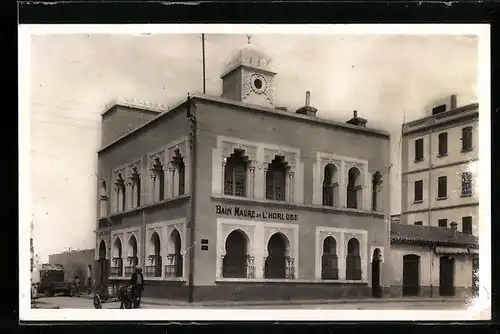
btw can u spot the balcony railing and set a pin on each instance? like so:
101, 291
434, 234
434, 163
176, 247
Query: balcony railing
289, 268
238, 268
174, 265
129, 270
154, 269
116, 268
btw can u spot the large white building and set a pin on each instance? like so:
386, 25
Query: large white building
435, 242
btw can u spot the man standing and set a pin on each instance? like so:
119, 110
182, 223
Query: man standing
137, 282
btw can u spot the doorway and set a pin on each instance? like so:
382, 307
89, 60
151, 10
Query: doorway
411, 275
446, 276
376, 288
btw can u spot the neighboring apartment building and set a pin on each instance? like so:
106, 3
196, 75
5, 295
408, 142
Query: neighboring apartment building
288, 205
439, 200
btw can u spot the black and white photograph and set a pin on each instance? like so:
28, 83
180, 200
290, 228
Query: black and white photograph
254, 172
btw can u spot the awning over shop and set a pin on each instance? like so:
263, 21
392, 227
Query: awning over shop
455, 250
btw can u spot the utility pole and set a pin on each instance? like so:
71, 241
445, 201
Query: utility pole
203, 55
192, 217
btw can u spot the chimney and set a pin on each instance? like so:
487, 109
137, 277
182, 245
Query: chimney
307, 109
453, 101
355, 120
453, 227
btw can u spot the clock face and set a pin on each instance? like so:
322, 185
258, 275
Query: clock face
258, 83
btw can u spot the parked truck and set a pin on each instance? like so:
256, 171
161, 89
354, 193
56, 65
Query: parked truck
52, 281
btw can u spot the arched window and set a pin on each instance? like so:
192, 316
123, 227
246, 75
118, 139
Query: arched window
278, 263
117, 268
376, 183
120, 193
276, 180
353, 260
132, 258
135, 179
235, 173
330, 185
102, 250
411, 275
354, 188
235, 261
180, 173
103, 199
158, 175
174, 258
154, 267
329, 259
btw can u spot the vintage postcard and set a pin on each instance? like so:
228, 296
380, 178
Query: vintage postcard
254, 172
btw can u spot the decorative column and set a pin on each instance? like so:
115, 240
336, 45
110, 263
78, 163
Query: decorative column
154, 187
251, 180
341, 264
366, 195
264, 182
342, 186
116, 200
223, 176
290, 186
259, 251
129, 193
171, 175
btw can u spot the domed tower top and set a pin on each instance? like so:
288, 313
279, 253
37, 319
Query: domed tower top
248, 76
248, 55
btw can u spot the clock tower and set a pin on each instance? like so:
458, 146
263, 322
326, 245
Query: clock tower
248, 77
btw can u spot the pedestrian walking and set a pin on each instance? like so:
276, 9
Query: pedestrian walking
137, 282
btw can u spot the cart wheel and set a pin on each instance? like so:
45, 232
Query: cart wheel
97, 301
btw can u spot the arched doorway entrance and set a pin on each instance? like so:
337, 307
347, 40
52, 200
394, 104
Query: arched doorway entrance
411, 275
234, 263
329, 259
446, 276
103, 263
376, 288
276, 261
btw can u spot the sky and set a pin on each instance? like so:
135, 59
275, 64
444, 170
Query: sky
387, 78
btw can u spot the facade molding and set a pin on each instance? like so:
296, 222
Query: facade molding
262, 154
434, 167
258, 234
343, 165
342, 237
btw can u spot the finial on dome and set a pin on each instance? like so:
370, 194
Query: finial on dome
249, 38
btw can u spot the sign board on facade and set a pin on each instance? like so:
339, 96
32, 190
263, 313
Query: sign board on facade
239, 212
50, 266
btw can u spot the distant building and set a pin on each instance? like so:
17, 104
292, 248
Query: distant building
288, 205
75, 263
438, 253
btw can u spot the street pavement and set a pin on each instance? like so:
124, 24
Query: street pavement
86, 303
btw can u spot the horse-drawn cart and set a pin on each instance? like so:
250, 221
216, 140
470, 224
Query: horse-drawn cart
123, 294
